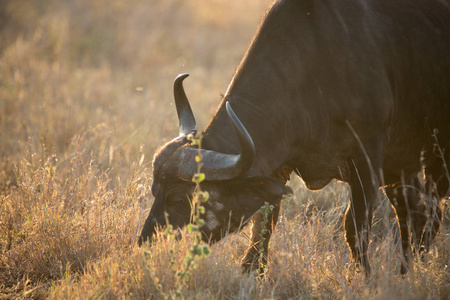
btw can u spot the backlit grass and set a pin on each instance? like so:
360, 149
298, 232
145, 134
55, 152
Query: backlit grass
86, 98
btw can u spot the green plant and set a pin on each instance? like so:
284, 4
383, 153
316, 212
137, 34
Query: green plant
197, 250
266, 211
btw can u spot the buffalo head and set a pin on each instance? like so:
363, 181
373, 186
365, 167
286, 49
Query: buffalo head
234, 196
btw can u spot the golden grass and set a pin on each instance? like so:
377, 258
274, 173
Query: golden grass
86, 97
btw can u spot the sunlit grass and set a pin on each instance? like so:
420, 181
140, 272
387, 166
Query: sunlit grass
85, 98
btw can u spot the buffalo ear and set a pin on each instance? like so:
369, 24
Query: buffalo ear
259, 190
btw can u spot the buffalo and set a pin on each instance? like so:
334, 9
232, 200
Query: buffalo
353, 90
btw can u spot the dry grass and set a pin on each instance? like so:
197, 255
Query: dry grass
85, 93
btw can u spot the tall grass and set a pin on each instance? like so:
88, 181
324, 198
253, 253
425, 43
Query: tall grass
86, 97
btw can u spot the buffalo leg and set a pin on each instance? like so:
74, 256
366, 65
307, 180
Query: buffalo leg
256, 258
358, 217
436, 187
418, 209
405, 198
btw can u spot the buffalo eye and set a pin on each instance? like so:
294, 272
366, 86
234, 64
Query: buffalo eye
179, 202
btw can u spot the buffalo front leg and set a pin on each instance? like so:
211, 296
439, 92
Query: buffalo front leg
256, 256
358, 217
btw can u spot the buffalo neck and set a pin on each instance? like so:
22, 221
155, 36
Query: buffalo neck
263, 93
262, 105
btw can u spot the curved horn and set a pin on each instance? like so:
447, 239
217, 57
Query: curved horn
220, 166
248, 151
184, 111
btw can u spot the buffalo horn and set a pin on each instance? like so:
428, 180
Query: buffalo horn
219, 166
184, 111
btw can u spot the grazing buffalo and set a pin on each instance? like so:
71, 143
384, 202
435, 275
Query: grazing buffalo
354, 90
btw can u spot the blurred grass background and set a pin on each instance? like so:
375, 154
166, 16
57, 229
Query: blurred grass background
86, 98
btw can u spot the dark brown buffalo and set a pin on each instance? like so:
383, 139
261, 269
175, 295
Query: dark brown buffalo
353, 90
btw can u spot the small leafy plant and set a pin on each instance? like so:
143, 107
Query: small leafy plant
266, 210
198, 250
